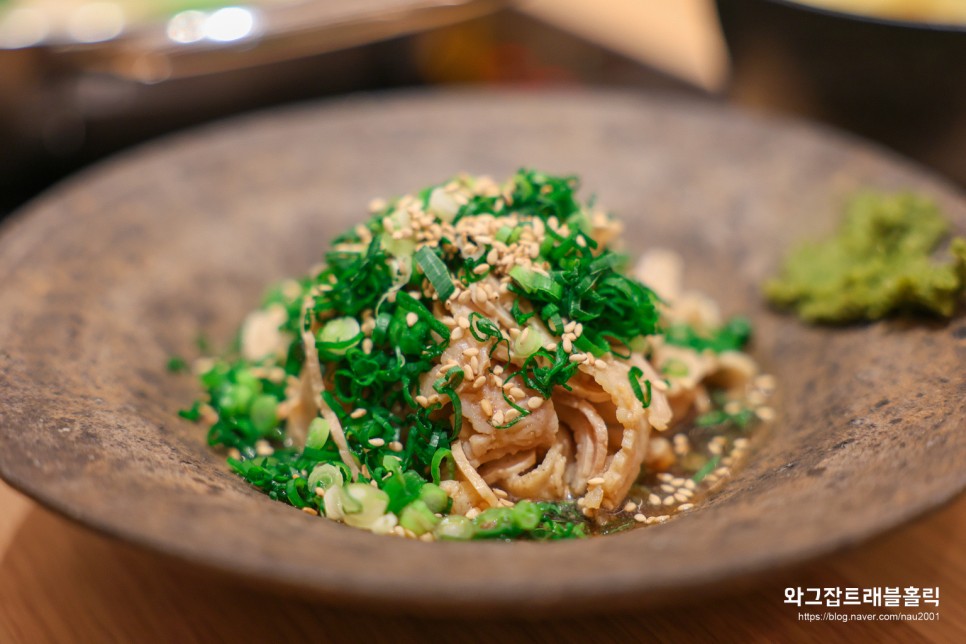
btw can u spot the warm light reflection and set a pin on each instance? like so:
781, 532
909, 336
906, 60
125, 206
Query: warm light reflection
187, 26
96, 21
23, 28
229, 24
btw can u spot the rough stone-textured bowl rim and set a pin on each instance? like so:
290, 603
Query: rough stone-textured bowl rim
515, 598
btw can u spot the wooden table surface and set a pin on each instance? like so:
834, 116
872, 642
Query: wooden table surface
62, 583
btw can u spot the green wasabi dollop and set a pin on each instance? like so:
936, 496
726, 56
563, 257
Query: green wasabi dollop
878, 263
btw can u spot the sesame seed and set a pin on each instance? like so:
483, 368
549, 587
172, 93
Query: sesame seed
311, 511
680, 497
377, 442
457, 333
319, 491
517, 393
511, 415
411, 319
479, 382
568, 346
396, 446
482, 268
422, 400
535, 402
263, 448
630, 506
498, 417
471, 352
640, 518
668, 500
358, 413
765, 413
578, 357
463, 321
500, 493
654, 499
486, 407
367, 346
684, 507
597, 480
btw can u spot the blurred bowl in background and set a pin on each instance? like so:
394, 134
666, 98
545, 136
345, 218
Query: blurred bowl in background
74, 89
900, 82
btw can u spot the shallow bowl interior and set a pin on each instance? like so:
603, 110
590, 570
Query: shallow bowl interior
113, 272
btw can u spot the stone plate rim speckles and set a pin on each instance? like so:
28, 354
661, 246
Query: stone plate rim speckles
118, 268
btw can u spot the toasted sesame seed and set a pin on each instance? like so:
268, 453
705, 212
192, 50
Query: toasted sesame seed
630, 506
472, 513
669, 500
479, 382
471, 352
578, 357
377, 442
367, 346
568, 346
487, 407
263, 448
640, 518
500, 493
511, 415
517, 393
551, 346
684, 507
654, 499
319, 491
422, 400
481, 268
311, 511
667, 487
358, 413
597, 480
411, 319
535, 402
463, 321
765, 413
498, 417
396, 446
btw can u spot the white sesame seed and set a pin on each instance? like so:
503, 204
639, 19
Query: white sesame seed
568, 346
358, 413
535, 402
630, 506
765, 413
498, 417
422, 400
471, 352
597, 480
640, 518
411, 319
456, 334
500, 493
311, 511
517, 393
511, 415
396, 446
654, 499
479, 382
486, 407
684, 507
482, 268
377, 442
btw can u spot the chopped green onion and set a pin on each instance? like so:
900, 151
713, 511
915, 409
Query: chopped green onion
325, 476
634, 375
707, 468
338, 336
363, 504
435, 497
435, 271
533, 282
418, 518
318, 433
263, 415
455, 527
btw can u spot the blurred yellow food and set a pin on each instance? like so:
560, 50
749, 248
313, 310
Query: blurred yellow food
940, 11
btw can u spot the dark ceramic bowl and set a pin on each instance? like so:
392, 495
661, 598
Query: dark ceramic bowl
902, 83
113, 272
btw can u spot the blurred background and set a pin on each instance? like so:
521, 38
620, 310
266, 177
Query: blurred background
81, 79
